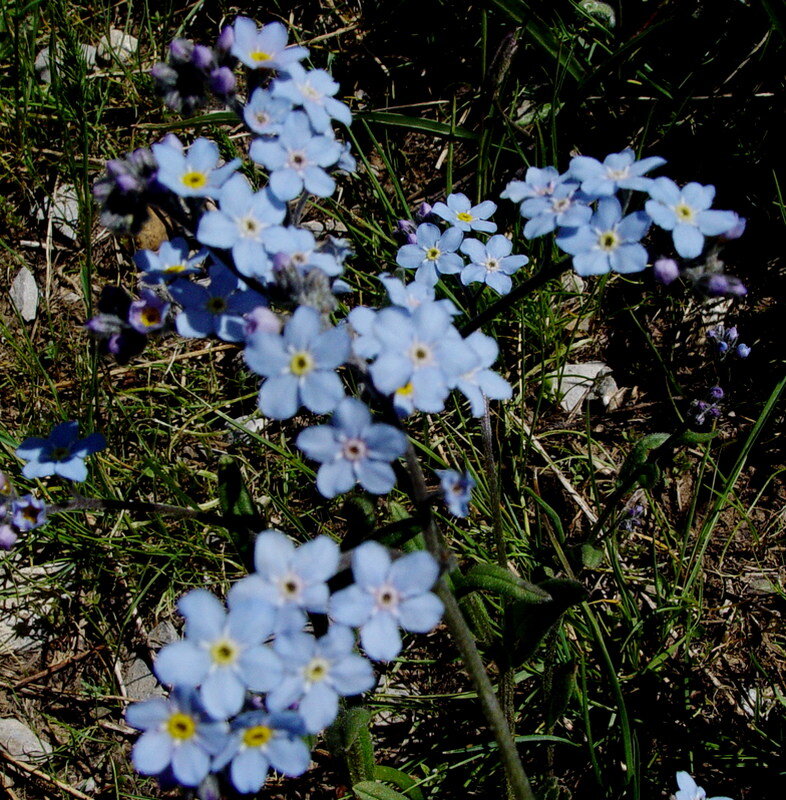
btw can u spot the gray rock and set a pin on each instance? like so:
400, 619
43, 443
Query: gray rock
577, 382
20, 742
65, 210
140, 682
43, 61
163, 633
24, 294
117, 45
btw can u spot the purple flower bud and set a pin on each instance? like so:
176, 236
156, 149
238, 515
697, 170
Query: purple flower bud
164, 74
105, 325
203, 58
424, 212
716, 393
665, 270
180, 50
743, 351
732, 335
412, 238
280, 261
223, 81
702, 406
714, 411
721, 285
406, 227
225, 39
8, 537
723, 347
127, 184
262, 319
736, 230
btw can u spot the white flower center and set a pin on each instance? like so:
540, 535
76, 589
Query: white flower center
421, 355
354, 449
608, 241
491, 265
387, 597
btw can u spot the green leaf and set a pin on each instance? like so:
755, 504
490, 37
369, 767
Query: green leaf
694, 437
358, 745
476, 614
638, 457
405, 782
233, 497
372, 790
527, 625
500, 580
591, 556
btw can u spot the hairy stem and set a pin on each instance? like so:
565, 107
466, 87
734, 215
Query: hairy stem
517, 781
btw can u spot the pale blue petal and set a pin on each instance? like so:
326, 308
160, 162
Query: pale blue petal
190, 764
380, 637
420, 614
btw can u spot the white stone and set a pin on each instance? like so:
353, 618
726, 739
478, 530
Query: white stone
65, 210
20, 742
24, 294
117, 45
577, 382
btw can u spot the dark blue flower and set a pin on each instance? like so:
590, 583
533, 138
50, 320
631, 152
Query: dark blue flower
63, 453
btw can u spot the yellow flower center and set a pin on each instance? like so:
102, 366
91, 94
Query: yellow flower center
151, 316
260, 55
224, 652
316, 670
175, 268
608, 240
406, 390
181, 727
301, 363
257, 736
464, 216
30, 513
433, 253
194, 180
684, 212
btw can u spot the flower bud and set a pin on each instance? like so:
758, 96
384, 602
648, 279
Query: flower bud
262, 320
225, 39
665, 270
223, 81
180, 50
721, 285
203, 58
736, 230
716, 393
406, 227
424, 212
743, 351
8, 537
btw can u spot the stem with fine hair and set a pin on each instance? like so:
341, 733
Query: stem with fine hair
516, 778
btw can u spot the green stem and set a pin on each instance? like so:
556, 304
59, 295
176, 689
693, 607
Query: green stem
514, 771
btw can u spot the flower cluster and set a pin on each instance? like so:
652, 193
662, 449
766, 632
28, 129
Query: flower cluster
18, 514
249, 682
433, 253
703, 410
726, 342
582, 206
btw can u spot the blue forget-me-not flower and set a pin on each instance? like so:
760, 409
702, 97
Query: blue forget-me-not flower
688, 790
686, 213
192, 174
241, 224
433, 255
265, 48
456, 490
216, 308
259, 741
317, 673
313, 90
386, 596
460, 213
222, 653
491, 263
297, 159
299, 365
173, 260
608, 242
177, 734
618, 171
62, 453
353, 449
290, 579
